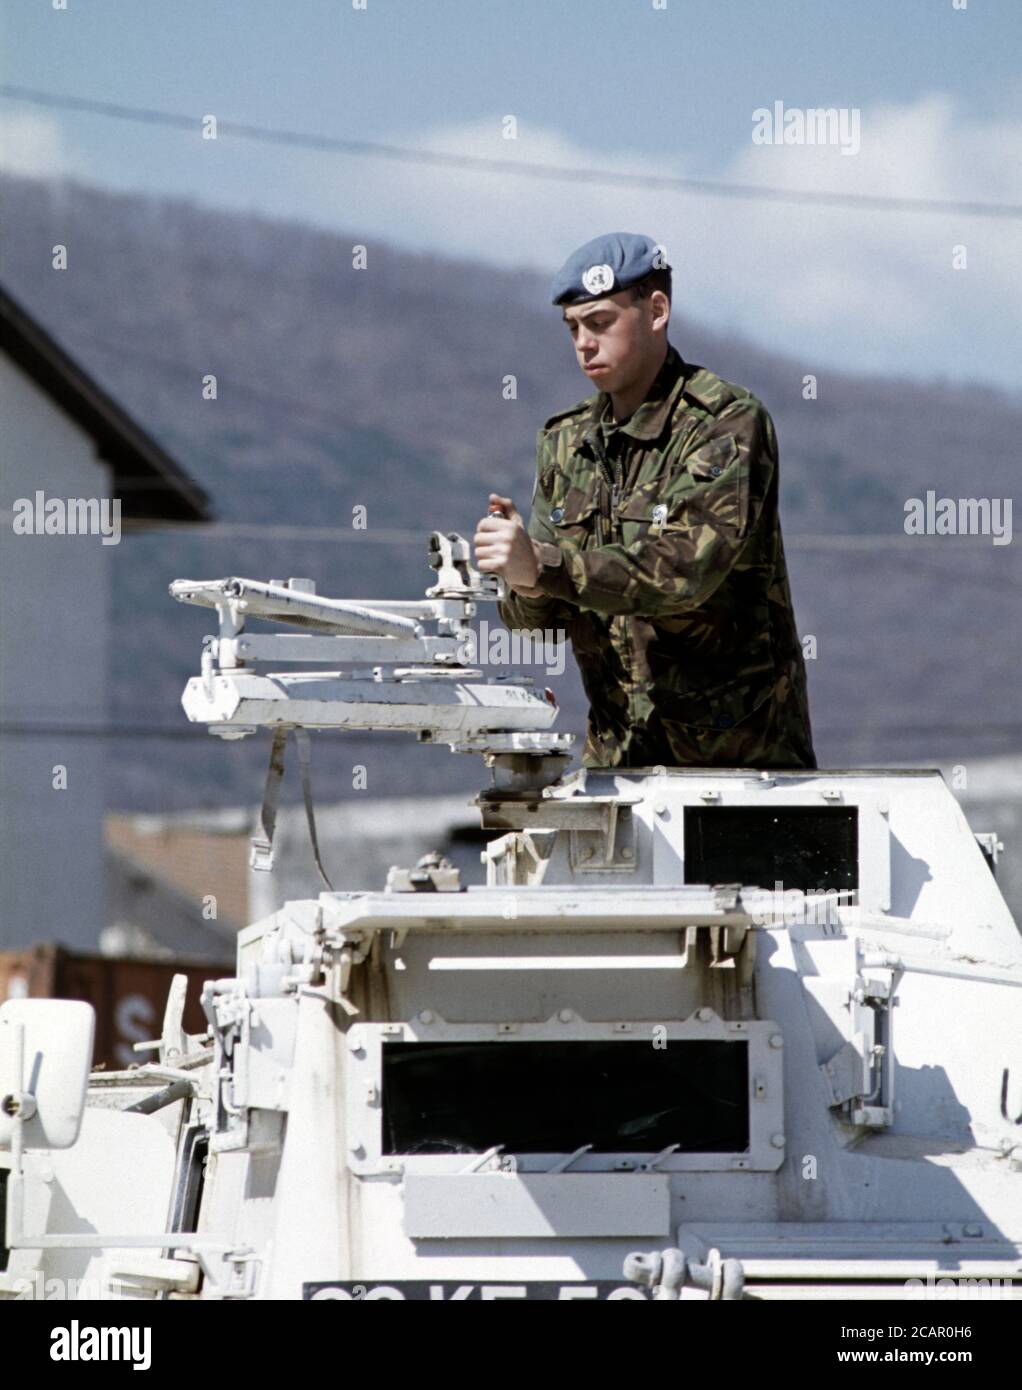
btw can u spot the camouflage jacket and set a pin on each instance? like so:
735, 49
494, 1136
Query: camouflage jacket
661, 558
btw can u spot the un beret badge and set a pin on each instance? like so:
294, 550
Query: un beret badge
598, 279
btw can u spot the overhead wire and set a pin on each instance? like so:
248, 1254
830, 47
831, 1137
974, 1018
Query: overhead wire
716, 188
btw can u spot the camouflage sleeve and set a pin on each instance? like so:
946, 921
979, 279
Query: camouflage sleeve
681, 536
517, 611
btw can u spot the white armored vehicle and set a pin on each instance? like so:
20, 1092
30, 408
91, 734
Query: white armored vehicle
707, 1034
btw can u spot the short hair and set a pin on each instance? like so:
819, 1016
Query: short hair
659, 279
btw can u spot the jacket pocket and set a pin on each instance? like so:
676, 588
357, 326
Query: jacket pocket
642, 517
714, 458
574, 517
709, 488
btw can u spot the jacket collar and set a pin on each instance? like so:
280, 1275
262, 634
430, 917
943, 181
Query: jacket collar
649, 420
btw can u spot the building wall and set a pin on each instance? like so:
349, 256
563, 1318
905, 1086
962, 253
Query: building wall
54, 633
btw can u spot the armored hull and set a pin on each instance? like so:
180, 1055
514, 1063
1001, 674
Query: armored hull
701, 1034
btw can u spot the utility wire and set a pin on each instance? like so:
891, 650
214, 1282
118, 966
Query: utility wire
888, 542
715, 188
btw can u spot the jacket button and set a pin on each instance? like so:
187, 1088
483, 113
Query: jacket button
557, 514
716, 471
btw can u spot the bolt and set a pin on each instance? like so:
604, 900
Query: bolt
776, 1040
425, 1015
566, 1016
627, 853
704, 1015
777, 1140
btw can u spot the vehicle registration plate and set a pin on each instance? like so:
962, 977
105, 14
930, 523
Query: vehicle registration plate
459, 1291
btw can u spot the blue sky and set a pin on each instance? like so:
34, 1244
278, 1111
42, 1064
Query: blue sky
613, 84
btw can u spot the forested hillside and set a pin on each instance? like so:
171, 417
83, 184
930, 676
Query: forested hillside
383, 388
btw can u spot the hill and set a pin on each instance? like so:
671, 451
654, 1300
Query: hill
382, 388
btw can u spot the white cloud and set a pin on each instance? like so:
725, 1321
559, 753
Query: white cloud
859, 289
32, 144
863, 289
866, 273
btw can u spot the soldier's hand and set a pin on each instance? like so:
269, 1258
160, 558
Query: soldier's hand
503, 546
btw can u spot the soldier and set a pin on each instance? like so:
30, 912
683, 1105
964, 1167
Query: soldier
655, 540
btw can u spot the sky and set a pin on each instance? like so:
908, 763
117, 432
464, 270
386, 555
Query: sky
647, 88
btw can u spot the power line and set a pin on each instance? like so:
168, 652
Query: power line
715, 188
821, 541
888, 542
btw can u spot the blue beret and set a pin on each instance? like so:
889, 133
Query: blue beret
605, 265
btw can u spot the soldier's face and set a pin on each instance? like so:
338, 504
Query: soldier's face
614, 338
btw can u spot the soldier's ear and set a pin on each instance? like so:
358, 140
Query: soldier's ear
660, 306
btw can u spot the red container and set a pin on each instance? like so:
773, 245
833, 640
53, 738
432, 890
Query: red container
129, 996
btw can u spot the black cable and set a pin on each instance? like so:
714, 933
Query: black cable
715, 188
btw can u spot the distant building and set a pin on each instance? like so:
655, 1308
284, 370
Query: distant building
68, 451
177, 884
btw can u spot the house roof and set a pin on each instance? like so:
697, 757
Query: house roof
151, 486
187, 854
